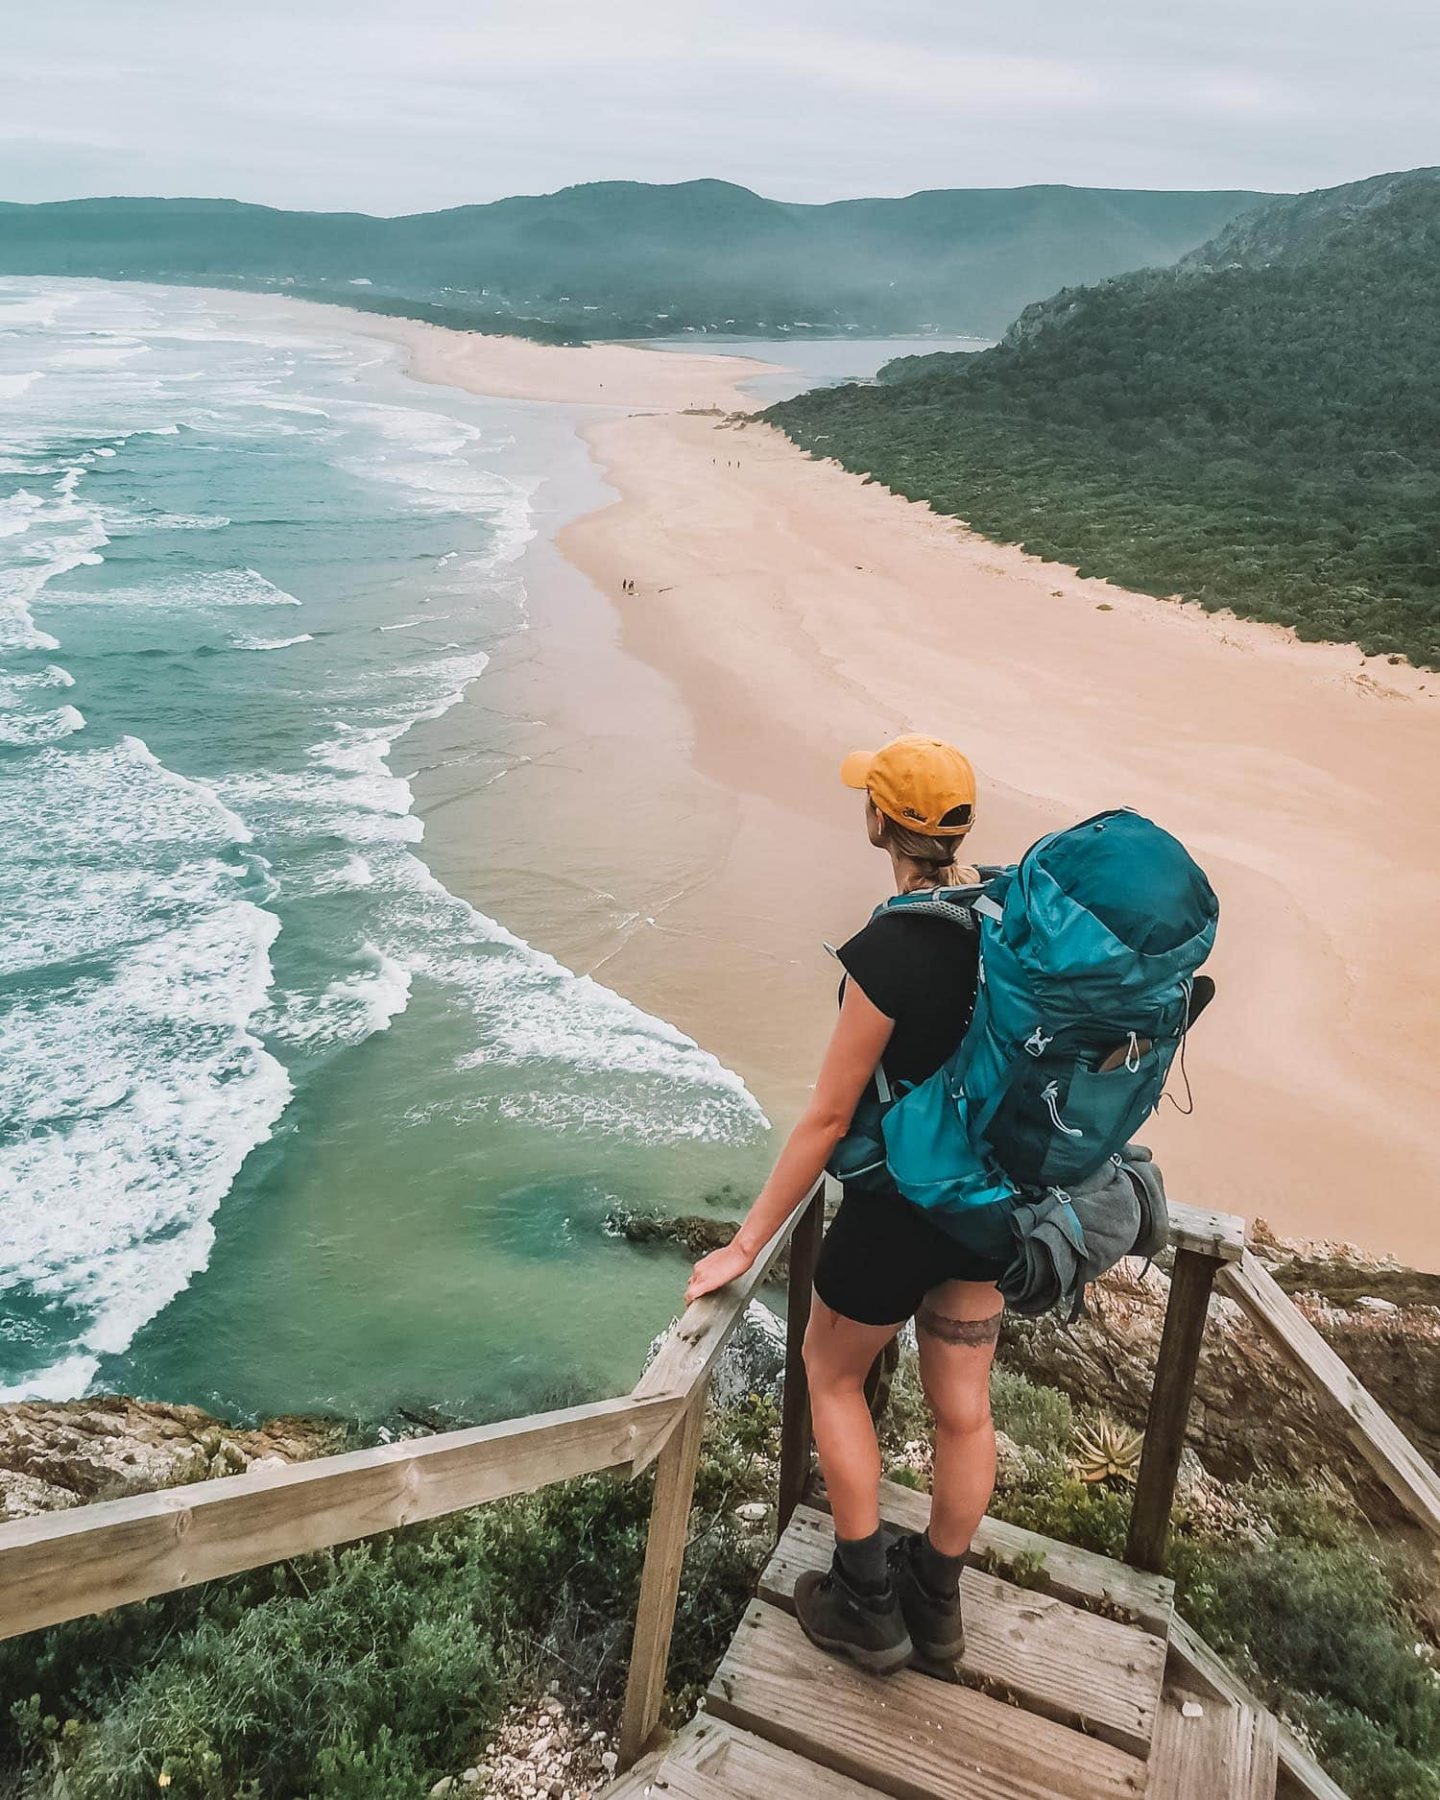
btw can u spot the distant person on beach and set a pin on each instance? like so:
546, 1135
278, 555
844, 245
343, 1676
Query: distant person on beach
906, 1000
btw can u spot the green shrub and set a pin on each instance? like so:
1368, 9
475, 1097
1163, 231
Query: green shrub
1325, 1622
1037, 1418
364, 1674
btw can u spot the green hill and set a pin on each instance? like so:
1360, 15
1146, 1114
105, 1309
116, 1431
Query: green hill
623, 258
1258, 427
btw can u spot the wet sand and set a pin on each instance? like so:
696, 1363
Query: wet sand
683, 777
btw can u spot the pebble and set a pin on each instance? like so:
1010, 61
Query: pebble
540, 1751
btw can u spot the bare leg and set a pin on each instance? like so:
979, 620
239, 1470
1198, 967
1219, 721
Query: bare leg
838, 1355
958, 1326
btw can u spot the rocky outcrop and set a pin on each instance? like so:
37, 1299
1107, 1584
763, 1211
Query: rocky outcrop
753, 1362
695, 1233
1252, 1415
55, 1454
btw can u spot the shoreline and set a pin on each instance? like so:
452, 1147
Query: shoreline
786, 611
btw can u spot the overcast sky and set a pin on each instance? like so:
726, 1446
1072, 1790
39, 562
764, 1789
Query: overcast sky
404, 105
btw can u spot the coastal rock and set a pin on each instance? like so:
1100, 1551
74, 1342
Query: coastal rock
56, 1454
753, 1362
541, 1749
697, 1234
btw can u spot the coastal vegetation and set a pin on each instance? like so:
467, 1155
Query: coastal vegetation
373, 1672
628, 259
1258, 428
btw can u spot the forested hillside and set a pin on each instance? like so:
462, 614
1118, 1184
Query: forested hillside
622, 258
1258, 428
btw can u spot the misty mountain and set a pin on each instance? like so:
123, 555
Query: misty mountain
617, 258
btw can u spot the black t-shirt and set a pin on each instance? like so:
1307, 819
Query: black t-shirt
921, 972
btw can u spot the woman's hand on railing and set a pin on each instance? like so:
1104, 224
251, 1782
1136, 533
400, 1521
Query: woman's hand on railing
718, 1269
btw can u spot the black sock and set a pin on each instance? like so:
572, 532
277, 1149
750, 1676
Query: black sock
941, 1574
862, 1561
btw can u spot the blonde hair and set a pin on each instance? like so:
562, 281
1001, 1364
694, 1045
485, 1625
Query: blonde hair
936, 855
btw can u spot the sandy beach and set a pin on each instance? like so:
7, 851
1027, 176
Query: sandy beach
784, 612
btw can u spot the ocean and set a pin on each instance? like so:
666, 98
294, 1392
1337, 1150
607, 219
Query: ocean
285, 1124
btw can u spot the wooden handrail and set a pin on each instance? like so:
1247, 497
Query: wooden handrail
693, 1345
1377, 1437
1214, 1234
56, 1566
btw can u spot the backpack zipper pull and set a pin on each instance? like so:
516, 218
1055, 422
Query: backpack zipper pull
1050, 1095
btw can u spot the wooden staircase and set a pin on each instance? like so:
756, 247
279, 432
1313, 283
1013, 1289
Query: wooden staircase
1062, 1694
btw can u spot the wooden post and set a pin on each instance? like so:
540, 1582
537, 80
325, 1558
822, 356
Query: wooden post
1170, 1397
795, 1414
660, 1582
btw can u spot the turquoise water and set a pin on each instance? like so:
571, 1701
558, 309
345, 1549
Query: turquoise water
285, 1124
814, 362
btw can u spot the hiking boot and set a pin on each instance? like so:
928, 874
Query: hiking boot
933, 1620
837, 1616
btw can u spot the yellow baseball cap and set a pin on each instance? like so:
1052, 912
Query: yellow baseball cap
919, 782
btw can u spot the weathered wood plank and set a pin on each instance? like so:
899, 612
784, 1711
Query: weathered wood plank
64, 1565
1096, 1583
1372, 1431
660, 1582
1053, 1659
1216, 1234
713, 1760
1208, 1749
909, 1736
1186, 1311
698, 1336
638, 1783
1197, 1667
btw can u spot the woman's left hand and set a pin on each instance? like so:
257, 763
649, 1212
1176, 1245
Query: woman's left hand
718, 1270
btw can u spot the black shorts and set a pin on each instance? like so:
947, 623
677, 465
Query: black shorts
881, 1256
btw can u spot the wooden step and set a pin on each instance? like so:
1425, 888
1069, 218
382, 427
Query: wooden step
1097, 1583
1208, 1749
1077, 1668
909, 1737
712, 1760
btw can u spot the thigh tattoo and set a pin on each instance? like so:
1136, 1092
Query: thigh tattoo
958, 1331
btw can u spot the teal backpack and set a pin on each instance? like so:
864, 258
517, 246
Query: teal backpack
1088, 952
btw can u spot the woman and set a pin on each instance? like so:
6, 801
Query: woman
905, 1003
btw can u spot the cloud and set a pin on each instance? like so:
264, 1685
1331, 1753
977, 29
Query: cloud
363, 103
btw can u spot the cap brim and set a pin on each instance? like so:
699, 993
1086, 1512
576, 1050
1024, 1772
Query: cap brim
855, 770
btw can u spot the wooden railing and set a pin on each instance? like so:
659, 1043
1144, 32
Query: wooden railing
58, 1566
